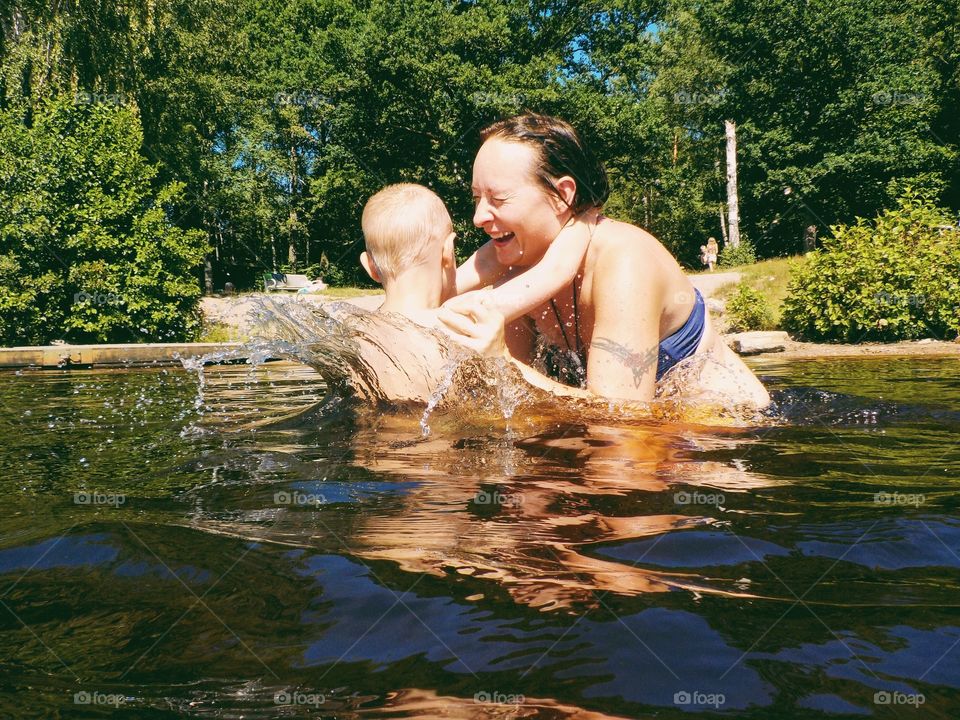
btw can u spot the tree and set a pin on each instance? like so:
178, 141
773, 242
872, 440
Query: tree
88, 249
833, 101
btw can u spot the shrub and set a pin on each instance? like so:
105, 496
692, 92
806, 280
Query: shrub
742, 254
895, 278
87, 249
747, 309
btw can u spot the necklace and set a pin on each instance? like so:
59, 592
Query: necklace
576, 310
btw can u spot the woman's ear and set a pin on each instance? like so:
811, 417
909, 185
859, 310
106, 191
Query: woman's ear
567, 190
370, 266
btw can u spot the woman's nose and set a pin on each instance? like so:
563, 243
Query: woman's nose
481, 215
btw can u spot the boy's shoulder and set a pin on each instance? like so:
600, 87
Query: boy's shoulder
405, 354
424, 318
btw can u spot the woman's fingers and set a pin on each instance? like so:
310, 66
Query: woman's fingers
457, 321
484, 334
484, 313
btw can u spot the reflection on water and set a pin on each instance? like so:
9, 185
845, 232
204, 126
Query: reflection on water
261, 552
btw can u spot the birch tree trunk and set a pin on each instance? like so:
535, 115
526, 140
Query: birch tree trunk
733, 206
291, 239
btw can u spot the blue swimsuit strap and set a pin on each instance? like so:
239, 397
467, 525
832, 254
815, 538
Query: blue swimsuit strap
683, 343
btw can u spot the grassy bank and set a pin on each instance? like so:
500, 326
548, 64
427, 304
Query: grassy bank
768, 277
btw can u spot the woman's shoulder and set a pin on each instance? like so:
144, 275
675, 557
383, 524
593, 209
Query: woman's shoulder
619, 243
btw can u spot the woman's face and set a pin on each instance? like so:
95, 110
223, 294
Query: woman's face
512, 207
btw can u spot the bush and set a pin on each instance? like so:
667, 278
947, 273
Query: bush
747, 309
896, 278
87, 249
742, 254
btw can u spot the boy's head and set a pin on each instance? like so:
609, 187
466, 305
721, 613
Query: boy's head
406, 226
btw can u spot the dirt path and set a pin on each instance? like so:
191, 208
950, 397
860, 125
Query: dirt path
236, 312
708, 284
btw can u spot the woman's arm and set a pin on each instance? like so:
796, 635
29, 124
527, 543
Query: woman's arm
479, 270
527, 291
625, 345
549, 384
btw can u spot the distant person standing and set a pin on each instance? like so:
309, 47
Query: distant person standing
810, 239
709, 253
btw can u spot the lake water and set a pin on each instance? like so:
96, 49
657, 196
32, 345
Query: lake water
167, 555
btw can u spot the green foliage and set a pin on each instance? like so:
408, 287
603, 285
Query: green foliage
280, 117
769, 278
220, 333
747, 309
87, 249
743, 254
832, 99
895, 278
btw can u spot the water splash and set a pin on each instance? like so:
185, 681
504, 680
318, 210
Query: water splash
379, 359
385, 360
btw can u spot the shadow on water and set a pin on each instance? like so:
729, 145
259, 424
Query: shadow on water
261, 549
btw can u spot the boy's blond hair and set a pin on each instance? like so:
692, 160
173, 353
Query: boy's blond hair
400, 224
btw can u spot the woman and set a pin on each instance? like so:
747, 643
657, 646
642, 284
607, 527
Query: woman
629, 314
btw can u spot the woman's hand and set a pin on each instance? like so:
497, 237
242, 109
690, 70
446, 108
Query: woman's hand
473, 323
464, 303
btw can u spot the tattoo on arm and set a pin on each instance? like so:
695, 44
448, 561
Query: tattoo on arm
639, 363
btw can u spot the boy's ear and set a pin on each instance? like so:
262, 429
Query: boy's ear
449, 255
370, 266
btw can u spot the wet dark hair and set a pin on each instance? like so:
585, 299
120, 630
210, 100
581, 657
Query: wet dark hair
560, 151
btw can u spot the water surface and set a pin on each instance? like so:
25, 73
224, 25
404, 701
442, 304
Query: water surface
163, 555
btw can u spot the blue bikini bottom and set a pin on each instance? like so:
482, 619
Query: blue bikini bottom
683, 343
